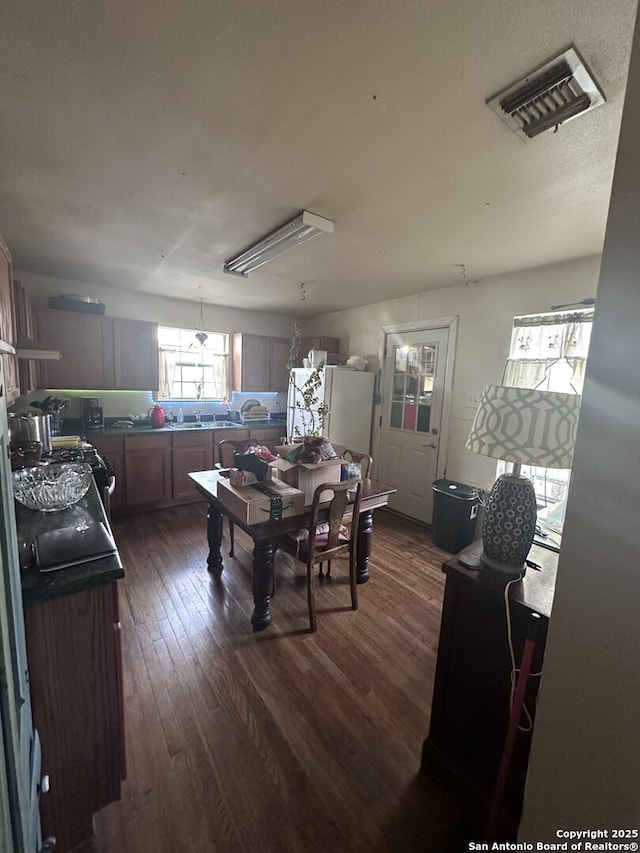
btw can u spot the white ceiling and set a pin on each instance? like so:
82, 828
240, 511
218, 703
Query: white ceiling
143, 142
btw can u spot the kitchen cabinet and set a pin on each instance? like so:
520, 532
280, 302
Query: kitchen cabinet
147, 469
27, 337
319, 342
75, 671
106, 353
260, 363
278, 357
8, 325
85, 342
269, 436
135, 354
191, 451
152, 468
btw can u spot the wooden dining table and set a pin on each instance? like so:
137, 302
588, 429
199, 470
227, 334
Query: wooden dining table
373, 496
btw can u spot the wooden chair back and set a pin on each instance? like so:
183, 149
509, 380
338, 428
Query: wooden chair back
229, 446
328, 539
363, 459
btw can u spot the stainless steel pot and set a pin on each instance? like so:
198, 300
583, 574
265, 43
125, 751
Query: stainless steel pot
26, 427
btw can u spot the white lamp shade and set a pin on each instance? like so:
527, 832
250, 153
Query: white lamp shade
525, 426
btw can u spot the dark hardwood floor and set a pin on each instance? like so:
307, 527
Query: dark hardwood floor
283, 740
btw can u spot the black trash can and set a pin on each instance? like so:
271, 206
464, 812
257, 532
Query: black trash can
455, 511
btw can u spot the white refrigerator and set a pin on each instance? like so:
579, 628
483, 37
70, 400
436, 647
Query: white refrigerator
348, 395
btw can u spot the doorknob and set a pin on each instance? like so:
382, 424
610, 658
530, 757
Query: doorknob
433, 445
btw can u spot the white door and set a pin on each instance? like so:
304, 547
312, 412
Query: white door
413, 385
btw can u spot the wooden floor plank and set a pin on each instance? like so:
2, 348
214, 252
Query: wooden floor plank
283, 740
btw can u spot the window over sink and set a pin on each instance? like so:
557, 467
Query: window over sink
191, 369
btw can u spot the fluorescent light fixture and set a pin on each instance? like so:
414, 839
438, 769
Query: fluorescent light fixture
38, 354
305, 226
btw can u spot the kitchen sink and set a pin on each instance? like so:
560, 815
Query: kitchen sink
206, 425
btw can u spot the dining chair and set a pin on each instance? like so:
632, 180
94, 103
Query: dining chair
320, 542
363, 459
226, 449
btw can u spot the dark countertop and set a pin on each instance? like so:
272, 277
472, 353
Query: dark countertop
76, 429
42, 586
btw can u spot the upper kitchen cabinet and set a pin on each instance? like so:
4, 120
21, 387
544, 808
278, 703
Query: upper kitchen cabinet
135, 354
260, 363
322, 343
106, 353
26, 336
85, 342
8, 324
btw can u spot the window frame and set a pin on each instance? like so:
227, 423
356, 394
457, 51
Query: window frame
191, 354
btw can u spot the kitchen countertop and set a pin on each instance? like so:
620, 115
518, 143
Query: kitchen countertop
42, 586
107, 431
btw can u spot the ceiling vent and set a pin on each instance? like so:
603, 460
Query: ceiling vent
556, 92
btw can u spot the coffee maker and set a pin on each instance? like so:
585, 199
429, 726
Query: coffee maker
92, 413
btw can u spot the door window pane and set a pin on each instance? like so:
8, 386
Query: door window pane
414, 370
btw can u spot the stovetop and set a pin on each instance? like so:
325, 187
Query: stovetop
85, 452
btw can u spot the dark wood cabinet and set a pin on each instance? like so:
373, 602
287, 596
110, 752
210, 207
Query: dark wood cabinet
278, 358
85, 342
26, 336
269, 436
75, 672
472, 689
8, 325
260, 363
319, 342
147, 469
152, 469
135, 348
107, 353
191, 451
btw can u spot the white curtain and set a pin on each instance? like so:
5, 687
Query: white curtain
166, 372
549, 351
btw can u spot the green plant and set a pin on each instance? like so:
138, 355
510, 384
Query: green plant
314, 413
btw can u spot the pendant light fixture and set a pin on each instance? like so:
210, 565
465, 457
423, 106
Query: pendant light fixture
201, 335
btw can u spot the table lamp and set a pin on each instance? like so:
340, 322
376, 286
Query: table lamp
526, 427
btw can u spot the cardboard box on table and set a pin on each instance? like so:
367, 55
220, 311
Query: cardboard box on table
305, 476
254, 506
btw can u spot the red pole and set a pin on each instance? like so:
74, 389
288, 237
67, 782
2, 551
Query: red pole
512, 728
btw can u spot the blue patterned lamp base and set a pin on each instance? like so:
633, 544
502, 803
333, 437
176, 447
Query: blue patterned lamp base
509, 524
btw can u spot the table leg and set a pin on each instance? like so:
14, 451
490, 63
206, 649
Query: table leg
363, 545
214, 536
262, 584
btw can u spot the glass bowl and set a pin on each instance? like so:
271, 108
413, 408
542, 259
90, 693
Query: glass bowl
49, 488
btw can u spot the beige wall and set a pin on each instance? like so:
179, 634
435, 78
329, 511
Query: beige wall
584, 771
486, 311
161, 309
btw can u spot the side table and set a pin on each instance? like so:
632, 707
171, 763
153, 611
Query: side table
471, 696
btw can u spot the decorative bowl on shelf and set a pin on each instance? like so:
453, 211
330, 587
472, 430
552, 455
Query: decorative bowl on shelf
49, 488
